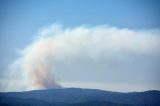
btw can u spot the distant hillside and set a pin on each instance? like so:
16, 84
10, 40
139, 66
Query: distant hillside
80, 97
33, 102
98, 103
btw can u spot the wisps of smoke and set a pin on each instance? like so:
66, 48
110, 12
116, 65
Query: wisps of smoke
55, 43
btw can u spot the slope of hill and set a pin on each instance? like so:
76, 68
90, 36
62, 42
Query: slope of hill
34, 102
80, 96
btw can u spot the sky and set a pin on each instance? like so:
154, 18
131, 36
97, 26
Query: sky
108, 44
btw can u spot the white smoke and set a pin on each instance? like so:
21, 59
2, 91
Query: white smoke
57, 44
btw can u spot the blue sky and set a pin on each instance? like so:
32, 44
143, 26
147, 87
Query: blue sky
21, 20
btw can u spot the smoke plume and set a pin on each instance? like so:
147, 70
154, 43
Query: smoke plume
58, 44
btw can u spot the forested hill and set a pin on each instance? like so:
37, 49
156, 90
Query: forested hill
79, 97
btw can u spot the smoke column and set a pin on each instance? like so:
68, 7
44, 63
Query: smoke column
57, 44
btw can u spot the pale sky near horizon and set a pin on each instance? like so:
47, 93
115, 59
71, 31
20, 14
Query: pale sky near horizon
21, 20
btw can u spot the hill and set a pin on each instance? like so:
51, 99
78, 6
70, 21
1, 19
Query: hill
79, 97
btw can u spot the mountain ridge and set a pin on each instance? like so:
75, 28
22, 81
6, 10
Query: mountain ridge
83, 95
